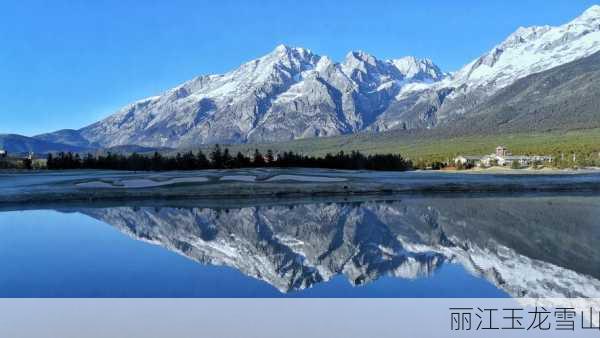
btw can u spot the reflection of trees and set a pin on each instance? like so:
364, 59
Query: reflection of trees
295, 246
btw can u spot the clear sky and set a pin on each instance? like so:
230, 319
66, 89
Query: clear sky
65, 64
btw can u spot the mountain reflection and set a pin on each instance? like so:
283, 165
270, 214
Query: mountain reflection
526, 246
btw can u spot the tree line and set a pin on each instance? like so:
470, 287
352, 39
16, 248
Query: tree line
220, 158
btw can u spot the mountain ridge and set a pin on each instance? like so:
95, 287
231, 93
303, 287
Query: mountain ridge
14, 143
292, 93
525, 52
294, 247
287, 94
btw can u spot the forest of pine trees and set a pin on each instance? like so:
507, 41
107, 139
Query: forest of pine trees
221, 159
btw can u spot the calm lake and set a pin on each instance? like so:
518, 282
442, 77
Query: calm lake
414, 246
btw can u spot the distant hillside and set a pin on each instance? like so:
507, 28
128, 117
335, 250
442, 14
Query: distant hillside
563, 98
432, 146
68, 137
21, 144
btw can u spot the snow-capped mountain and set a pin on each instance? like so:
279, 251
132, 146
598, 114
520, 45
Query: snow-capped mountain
292, 93
419, 69
519, 245
532, 50
527, 51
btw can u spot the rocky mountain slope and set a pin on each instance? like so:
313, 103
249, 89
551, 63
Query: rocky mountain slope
525, 52
289, 93
292, 93
562, 98
513, 242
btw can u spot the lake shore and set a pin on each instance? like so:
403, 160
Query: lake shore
510, 171
94, 185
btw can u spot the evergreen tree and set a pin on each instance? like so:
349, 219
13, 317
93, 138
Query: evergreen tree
227, 159
270, 159
241, 161
216, 157
222, 159
258, 160
156, 163
201, 161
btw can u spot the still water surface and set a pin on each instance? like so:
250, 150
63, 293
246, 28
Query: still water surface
444, 246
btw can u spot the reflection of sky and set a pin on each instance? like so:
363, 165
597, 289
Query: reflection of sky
51, 254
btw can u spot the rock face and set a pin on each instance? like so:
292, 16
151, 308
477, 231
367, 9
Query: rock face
566, 97
292, 93
288, 94
528, 247
525, 52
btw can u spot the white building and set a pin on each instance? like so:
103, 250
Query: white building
502, 157
507, 161
3, 153
468, 160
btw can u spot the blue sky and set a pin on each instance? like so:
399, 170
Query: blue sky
65, 64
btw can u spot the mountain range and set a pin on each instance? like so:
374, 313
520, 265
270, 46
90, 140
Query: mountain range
519, 244
539, 78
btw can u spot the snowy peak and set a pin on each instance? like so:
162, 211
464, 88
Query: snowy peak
291, 56
365, 68
591, 15
279, 67
418, 69
359, 57
361, 62
533, 49
283, 59
287, 94
523, 35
